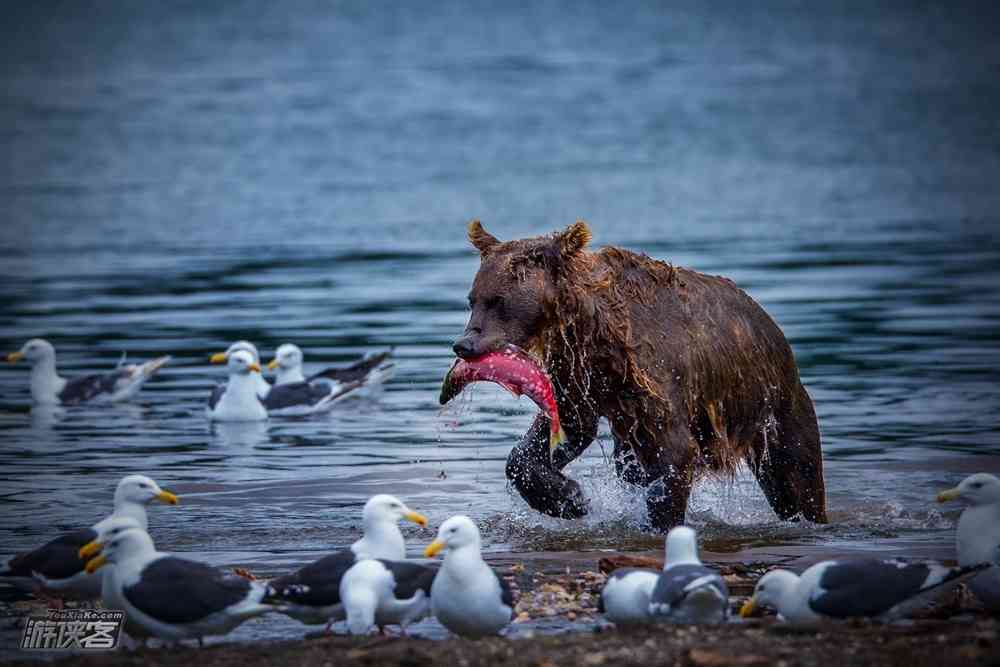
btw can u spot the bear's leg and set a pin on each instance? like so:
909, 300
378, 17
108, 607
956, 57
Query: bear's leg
788, 462
627, 466
667, 498
667, 459
539, 480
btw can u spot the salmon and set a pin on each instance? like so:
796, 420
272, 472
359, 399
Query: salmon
516, 371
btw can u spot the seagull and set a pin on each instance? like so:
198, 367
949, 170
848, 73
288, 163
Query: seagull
368, 371
56, 569
385, 592
48, 388
684, 592
312, 594
978, 535
687, 591
625, 597
883, 589
262, 385
239, 399
169, 597
467, 596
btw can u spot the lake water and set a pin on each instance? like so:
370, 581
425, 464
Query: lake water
178, 179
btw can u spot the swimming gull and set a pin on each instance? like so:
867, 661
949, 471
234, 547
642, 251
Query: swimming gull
49, 388
262, 385
369, 371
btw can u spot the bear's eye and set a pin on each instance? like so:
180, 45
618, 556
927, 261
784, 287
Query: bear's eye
495, 303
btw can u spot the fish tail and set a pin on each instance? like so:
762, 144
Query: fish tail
556, 438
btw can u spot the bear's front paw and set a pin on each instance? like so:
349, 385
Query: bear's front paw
572, 503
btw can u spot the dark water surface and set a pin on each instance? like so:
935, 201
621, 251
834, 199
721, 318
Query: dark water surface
175, 178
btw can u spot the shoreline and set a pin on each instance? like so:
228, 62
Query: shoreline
557, 625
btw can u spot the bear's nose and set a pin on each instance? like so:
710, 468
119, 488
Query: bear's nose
464, 348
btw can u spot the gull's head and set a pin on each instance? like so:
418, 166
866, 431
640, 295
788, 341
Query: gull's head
456, 532
242, 363
979, 489
142, 490
34, 351
287, 357
681, 546
383, 508
769, 591
113, 529
129, 543
238, 346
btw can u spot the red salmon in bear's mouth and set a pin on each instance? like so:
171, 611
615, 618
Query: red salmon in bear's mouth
516, 371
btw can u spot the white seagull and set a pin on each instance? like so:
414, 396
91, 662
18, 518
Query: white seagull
625, 597
239, 399
48, 388
684, 592
56, 569
312, 593
371, 370
883, 589
173, 598
467, 596
263, 387
385, 592
978, 535
687, 591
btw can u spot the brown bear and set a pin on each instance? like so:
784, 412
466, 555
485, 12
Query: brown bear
690, 372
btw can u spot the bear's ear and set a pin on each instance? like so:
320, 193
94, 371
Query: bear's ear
481, 238
573, 239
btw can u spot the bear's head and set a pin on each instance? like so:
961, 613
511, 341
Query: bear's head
514, 295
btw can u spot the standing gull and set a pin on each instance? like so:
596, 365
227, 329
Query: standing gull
56, 567
884, 589
385, 592
467, 596
687, 591
368, 371
312, 594
173, 598
48, 388
978, 535
263, 387
625, 597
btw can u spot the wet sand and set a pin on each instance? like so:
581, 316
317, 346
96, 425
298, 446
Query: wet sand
926, 643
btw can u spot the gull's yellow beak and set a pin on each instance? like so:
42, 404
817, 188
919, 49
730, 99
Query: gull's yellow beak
416, 518
271, 365
433, 549
89, 549
94, 564
167, 497
748, 608
15, 356
217, 358
949, 494
254, 368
